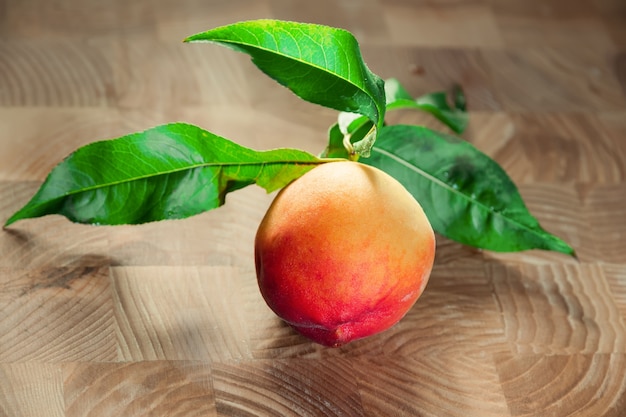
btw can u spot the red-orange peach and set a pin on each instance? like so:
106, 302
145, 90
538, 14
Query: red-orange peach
343, 252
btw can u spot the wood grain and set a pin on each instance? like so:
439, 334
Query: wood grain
181, 328
423, 69
444, 25
173, 388
568, 79
175, 20
54, 73
468, 321
441, 385
39, 305
564, 385
552, 309
615, 275
610, 227
167, 319
362, 18
562, 148
287, 388
31, 389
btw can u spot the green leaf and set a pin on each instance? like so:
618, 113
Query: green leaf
358, 130
362, 144
466, 195
435, 103
356, 126
395, 91
460, 103
336, 148
320, 64
168, 172
349, 122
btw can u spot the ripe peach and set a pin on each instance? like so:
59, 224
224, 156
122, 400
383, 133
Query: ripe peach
343, 252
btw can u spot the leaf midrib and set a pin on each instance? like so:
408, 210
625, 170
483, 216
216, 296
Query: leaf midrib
452, 189
308, 63
190, 167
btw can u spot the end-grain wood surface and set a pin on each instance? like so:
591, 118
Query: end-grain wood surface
165, 319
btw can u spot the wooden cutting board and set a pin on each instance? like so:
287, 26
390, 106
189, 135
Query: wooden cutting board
166, 319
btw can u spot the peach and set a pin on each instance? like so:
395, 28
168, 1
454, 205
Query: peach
343, 252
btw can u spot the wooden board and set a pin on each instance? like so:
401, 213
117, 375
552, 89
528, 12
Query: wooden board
166, 318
